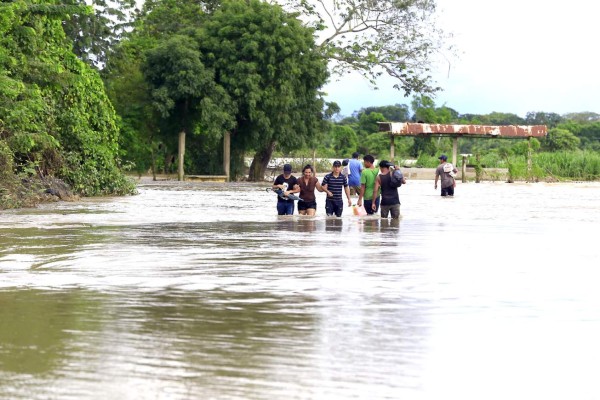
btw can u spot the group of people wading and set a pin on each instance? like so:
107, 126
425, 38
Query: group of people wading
373, 186
377, 188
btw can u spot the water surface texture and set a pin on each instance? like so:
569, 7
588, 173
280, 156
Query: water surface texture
200, 291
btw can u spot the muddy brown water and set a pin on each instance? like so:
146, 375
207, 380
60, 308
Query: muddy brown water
199, 291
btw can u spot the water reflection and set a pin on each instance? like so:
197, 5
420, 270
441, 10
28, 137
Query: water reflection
38, 328
222, 344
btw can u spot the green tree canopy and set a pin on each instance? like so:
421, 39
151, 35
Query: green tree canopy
184, 91
266, 61
561, 139
345, 140
54, 113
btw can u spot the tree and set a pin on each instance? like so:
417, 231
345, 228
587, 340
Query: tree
368, 123
345, 140
561, 139
95, 33
265, 59
583, 116
54, 113
543, 118
184, 91
498, 118
589, 134
396, 38
395, 113
139, 121
424, 111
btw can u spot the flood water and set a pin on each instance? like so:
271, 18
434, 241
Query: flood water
200, 291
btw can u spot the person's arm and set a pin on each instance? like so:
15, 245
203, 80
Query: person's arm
347, 190
320, 187
277, 185
326, 186
375, 192
295, 188
361, 195
437, 175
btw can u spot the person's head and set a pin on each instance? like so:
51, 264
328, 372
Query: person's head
307, 171
337, 165
345, 162
443, 158
355, 154
287, 170
369, 160
384, 166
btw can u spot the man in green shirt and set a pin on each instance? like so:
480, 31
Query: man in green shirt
367, 184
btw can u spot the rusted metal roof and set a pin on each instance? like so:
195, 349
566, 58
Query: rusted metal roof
506, 131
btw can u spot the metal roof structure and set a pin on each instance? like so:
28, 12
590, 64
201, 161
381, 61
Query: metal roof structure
453, 130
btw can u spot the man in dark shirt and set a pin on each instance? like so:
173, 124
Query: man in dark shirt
289, 184
334, 183
390, 201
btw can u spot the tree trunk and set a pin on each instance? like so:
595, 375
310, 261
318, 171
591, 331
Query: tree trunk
259, 163
180, 172
227, 155
153, 155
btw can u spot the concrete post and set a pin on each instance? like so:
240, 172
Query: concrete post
454, 150
227, 154
180, 172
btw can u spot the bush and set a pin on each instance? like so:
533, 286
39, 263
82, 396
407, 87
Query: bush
6, 160
579, 165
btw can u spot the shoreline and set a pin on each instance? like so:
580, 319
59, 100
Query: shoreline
411, 173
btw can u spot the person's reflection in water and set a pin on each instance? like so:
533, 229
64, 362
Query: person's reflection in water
391, 227
306, 225
370, 225
333, 225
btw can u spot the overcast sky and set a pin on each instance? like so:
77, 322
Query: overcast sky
516, 56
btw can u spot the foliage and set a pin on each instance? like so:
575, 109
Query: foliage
52, 105
582, 117
183, 88
378, 145
395, 113
368, 123
96, 26
345, 140
396, 38
265, 59
561, 139
427, 161
581, 165
522, 147
543, 118
6, 161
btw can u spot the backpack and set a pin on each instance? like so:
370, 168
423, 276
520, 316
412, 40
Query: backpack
449, 168
396, 178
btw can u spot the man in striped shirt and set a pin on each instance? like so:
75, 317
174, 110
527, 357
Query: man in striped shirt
333, 184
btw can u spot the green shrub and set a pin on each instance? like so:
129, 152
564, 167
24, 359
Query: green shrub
578, 165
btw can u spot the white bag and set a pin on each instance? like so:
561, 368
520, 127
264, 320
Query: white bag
449, 168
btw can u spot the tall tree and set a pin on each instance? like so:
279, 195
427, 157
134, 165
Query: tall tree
266, 60
395, 113
54, 113
183, 90
94, 34
543, 118
561, 139
397, 38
